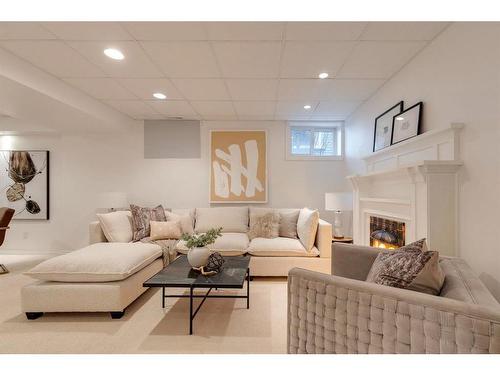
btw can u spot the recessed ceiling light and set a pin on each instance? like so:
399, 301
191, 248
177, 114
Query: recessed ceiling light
114, 54
307, 106
159, 95
323, 75
400, 118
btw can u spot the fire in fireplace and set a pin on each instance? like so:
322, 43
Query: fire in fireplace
386, 234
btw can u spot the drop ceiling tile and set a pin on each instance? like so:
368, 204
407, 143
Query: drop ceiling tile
255, 109
54, 57
248, 59
245, 30
101, 88
252, 89
23, 30
202, 88
174, 108
144, 88
87, 30
183, 59
294, 110
324, 30
378, 59
300, 89
136, 63
136, 109
308, 59
335, 110
214, 110
166, 30
402, 30
349, 89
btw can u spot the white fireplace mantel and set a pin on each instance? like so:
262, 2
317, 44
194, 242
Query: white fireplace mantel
422, 193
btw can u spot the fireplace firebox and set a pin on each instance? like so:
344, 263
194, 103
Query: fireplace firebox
386, 233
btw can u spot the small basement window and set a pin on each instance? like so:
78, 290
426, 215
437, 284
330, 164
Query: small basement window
314, 140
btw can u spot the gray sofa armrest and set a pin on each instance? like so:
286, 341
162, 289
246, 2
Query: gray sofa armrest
95, 233
353, 261
332, 314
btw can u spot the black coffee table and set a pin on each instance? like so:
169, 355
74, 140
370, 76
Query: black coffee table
179, 274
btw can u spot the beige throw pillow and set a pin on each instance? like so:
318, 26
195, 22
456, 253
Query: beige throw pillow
307, 226
265, 226
165, 230
186, 221
117, 226
409, 267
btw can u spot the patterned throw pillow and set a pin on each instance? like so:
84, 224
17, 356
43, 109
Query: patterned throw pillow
288, 224
141, 216
409, 267
265, 226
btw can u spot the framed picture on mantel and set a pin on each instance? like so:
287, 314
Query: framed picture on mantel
383, 127
407, 124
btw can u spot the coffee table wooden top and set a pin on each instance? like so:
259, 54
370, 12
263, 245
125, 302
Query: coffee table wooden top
179, 274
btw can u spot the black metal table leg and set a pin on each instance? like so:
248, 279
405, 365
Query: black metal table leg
191, 310
163, 297
248, 288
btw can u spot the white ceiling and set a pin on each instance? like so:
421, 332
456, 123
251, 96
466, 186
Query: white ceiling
223, 70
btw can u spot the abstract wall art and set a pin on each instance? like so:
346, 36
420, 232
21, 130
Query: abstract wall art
238, 166
24, 179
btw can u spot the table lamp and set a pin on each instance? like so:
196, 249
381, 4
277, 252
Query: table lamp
338, 202
113, 200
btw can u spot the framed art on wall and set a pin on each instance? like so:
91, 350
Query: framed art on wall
24, 178
238, 166
383, 127
407, 123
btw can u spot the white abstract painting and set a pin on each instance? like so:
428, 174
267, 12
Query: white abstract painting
238, 166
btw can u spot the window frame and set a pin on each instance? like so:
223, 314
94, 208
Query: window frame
314, 125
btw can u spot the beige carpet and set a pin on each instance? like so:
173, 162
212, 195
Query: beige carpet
221, 326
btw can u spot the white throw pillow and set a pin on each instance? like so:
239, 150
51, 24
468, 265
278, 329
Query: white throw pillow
165, 230
185, 220
231, 219
117, 226
307, 226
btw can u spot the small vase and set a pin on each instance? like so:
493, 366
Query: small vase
198, 256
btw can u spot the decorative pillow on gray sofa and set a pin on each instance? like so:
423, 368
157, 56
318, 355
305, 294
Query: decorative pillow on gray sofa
409, 267
265, 226
141, 216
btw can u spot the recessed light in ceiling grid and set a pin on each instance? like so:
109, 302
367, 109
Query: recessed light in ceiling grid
114, 54
159, 95
323, 75
307, 107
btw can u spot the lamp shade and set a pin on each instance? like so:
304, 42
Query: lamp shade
113, 199
338, 201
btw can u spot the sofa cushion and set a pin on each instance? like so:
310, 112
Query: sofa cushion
184, 218
116, 226
307, 226
280, 246
227, 244
231, 219
100, 262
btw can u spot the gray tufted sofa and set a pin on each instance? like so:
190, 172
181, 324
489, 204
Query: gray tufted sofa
341, 313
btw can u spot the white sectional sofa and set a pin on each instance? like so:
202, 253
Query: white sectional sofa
108, 276
269, 257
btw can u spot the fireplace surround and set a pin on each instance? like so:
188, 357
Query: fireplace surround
414, 183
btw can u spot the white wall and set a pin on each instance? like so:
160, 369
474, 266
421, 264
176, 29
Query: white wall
458, 78
84, 166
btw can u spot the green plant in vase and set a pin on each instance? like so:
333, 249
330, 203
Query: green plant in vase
197, 244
